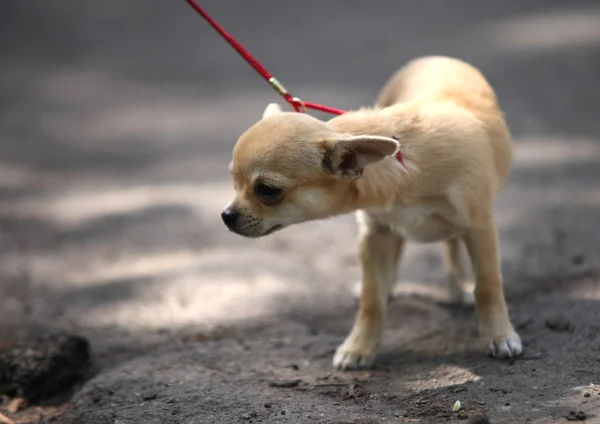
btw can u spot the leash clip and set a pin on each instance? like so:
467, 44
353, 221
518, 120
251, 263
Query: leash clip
297, 101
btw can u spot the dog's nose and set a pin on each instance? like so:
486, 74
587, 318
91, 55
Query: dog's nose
230, 216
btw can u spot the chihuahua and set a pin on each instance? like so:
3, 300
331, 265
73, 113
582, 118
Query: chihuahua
424, 164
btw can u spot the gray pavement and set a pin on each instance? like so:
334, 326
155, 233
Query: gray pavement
116, 126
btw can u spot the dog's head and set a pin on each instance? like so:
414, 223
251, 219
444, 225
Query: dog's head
290, 168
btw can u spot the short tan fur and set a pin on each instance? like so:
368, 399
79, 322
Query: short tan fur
443, 116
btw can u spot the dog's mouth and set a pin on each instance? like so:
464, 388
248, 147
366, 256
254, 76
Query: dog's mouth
255, 235
272, 229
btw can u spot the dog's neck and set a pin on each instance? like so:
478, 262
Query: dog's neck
373, 121
382, 182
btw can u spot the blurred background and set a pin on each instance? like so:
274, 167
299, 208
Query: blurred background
117, 121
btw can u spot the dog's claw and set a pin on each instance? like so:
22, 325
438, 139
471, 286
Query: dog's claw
463, 298
351, 361
509, 347
346, 360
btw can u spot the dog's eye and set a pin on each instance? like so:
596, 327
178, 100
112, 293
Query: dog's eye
267, 193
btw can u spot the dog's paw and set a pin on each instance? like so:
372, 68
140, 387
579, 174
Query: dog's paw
356, 290
507, 347
346, 358
461, 293
462, 298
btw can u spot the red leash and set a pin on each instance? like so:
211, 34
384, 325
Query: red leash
295, 102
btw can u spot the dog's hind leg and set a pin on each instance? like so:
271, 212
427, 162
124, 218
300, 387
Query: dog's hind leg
490, 304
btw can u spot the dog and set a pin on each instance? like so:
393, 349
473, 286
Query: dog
425, 164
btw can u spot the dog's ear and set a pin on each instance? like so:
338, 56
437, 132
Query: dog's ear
271, 109
346, 158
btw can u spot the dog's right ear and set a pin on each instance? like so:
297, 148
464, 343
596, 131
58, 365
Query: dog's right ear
346, 158
271, 109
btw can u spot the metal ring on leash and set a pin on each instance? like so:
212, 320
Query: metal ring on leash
297, 100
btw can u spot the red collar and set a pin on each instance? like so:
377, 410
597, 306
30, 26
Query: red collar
399, 153
400, 158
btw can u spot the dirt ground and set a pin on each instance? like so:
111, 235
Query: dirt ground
116, 125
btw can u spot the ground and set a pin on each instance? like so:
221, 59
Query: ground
117, 121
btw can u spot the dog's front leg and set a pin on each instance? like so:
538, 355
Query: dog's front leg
379, 250
494, 323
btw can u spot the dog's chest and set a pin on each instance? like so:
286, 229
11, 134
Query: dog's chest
421, 223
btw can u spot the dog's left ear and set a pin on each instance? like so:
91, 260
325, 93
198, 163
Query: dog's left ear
346, 158
271, 109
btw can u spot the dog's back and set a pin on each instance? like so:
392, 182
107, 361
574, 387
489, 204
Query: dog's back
437, 78
440, 79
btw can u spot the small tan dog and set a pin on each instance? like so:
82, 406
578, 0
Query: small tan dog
443, 117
